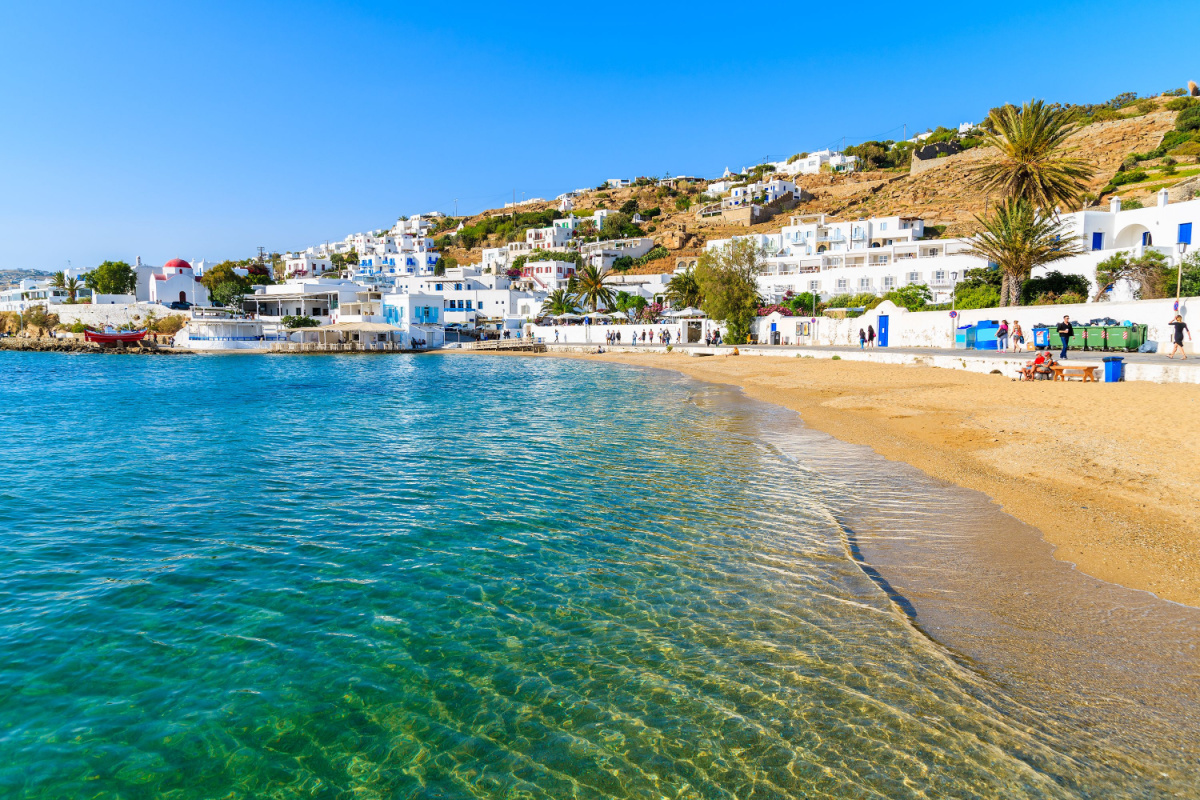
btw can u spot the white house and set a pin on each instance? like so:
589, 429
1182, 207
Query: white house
31, 292
418, 316
305, 265
178, 282
602, 254
317, 298
812, 163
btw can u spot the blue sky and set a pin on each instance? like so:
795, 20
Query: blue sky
204, 130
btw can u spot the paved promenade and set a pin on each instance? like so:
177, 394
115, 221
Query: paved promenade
1153, 367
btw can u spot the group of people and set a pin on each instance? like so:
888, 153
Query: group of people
866, 338
713, 338
1006, 335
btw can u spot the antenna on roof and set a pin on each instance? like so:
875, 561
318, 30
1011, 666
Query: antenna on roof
261, 256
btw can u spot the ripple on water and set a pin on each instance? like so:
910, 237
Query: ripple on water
465, 577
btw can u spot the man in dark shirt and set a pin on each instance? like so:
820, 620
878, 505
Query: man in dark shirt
1065, 332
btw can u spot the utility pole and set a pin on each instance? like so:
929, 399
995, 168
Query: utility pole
456, 208
261, 251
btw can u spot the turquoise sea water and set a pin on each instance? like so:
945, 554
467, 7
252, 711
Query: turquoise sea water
454, 577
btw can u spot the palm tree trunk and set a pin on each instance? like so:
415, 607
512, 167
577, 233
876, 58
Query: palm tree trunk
1004, 281
1014, 289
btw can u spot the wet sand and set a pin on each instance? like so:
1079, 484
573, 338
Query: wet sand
1110, 474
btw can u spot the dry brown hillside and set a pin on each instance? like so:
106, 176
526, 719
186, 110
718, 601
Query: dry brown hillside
940, 194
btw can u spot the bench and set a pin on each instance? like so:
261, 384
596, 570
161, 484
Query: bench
1063, 372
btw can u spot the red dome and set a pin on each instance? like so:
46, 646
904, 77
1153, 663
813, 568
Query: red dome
177, 263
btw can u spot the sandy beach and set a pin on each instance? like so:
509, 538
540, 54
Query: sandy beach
1107, 472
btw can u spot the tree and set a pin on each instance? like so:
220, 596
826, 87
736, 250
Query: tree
221, 273
439, 266
629, 207
630, 302
591, 290
1029, 162
683, 290
227, 293
37, 318
112, 277
727, 278
683, 203
914, 297
622, 264
73, 286
558, 302
1017, 238
59, 280
1149, 273
1190, 286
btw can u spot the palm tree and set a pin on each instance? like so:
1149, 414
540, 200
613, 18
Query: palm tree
1030, 162
1018, 237
683, 289
590, 289
58, 280
72, 285
558, 302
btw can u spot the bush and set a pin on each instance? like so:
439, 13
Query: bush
1187, 149
1129, 176
979, 295
683, 203
1145, 106
1054, 283
1129, 205
169, 325
1188, 119
294, 322
629, 207
1180, 103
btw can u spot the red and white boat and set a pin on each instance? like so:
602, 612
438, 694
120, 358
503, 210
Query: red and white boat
112, 337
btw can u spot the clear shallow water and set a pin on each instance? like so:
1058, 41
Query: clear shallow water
463, 577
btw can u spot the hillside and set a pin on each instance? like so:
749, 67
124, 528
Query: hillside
940, 193
12, 277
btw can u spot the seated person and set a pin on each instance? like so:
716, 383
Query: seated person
1039, 366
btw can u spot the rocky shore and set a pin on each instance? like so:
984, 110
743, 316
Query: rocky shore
52, 345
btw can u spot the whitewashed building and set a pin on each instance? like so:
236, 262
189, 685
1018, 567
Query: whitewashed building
178, 282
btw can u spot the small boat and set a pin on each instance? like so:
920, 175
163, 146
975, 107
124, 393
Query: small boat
112, 337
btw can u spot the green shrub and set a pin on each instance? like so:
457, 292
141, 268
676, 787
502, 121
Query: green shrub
1054, 283
1180, 103
1188, 119
1187, 149
1129, 176
1129, 205
836, 358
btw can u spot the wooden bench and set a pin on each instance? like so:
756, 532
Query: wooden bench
1063, 372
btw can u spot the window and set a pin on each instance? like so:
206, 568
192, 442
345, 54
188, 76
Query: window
1185, 233
814, 286
914, 277
864, 283
889, 282
939, 276
883, 226
468, 305
1097, 241
841, 284
438, 287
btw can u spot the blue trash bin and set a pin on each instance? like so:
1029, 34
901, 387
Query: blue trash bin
1114, 369
1041, 337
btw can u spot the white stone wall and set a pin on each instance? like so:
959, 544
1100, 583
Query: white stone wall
114, 314
936, 328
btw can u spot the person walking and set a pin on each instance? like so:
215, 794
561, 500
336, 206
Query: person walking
870, 336
1065, 331
862, 339
1180, 329
1018, 336
1002, 335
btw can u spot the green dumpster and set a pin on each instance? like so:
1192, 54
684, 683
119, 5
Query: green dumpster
1055, 340
1126, 337
1078, 338
1094, 337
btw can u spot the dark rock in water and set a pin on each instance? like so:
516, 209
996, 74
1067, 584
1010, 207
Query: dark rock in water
47, 345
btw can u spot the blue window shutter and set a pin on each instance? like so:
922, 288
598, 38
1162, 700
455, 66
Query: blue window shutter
1185, 232
1145, 238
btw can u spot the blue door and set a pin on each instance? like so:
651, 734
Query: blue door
883, 330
